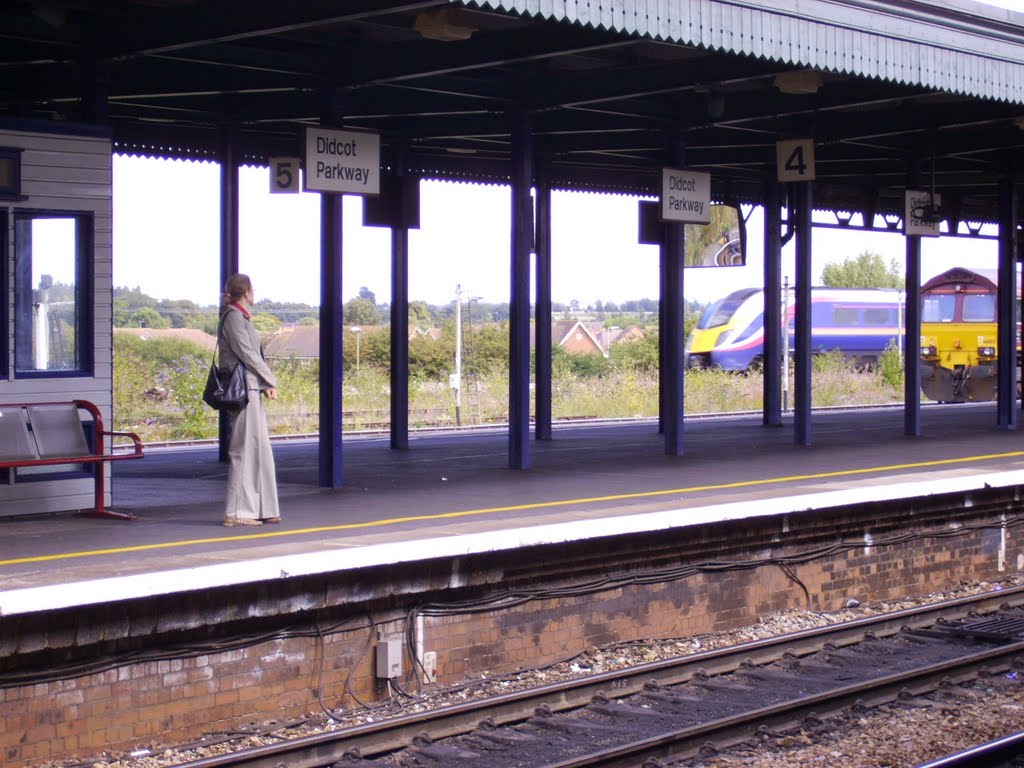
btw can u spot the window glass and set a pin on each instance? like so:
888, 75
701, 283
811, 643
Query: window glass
979, 308
844, 315
879, 316
52, 319
722, 311
938, 308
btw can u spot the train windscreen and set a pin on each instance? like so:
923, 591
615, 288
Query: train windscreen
720, 312
938, 308
979, 308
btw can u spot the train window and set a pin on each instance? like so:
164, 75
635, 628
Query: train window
722, 311
52, 294
879, 316
844, 315
979, 308
938, 308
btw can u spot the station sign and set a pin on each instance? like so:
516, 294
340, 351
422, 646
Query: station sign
922, 213
342, 161
794, 159
685, 196
284, 175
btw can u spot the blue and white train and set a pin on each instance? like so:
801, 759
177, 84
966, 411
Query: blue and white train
860, 322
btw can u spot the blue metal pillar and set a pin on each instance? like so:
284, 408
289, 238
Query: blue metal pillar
771, 415
542, 328
672, 300
331, 360
662, 339
519, 304
802, 356
912, 324
1006, 404
400, 306
229, 154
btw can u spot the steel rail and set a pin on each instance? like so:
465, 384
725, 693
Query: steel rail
397, 733
731, 730
569, 421
989, 755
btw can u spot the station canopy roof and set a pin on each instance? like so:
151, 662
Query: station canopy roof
607, 85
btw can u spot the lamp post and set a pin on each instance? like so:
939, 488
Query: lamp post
476, 378
785, 343
357, 330
457, 379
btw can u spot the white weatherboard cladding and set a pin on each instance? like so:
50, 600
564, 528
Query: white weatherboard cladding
976, 50
64, 173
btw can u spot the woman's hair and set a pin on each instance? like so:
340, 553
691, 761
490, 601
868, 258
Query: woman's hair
235, 288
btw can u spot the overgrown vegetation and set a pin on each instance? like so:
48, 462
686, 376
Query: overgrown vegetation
158, 382
158, 385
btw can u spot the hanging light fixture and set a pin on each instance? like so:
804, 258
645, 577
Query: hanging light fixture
799, 82
444, 24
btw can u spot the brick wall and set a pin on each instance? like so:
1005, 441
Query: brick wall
184, 695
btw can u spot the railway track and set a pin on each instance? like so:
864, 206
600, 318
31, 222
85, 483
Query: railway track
1001, 753
495, 426
668, 710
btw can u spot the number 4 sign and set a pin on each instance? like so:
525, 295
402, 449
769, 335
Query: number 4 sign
795, 159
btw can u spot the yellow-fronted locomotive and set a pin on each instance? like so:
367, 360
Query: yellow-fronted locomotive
959, 353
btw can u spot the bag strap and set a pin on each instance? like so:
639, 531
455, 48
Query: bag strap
220, 323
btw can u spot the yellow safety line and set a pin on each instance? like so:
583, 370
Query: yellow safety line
512, 508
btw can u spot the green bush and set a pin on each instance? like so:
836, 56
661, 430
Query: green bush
184, 380
890, 367
158, 386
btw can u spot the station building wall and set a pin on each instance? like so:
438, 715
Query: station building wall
66, 184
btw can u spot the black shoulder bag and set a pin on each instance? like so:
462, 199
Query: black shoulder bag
226, 391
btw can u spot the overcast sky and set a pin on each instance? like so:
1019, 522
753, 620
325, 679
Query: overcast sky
166, 241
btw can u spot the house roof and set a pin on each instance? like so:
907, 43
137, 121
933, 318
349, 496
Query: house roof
299, 341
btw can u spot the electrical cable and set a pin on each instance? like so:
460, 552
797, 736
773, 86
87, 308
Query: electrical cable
500, 601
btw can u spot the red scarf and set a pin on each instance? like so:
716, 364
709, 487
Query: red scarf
241, 309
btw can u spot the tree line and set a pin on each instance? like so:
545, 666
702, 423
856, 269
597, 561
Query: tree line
135, 309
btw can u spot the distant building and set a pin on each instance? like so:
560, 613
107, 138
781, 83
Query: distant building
302, 342
588, 337
297, 342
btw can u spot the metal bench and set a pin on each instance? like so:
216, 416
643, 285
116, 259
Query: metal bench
44, 434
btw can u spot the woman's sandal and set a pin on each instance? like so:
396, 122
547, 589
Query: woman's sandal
272, 520
230, 522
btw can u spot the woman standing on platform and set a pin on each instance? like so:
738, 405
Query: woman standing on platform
252, 484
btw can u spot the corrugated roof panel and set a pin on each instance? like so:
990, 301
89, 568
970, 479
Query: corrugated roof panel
963, 50
747, 30
757, 33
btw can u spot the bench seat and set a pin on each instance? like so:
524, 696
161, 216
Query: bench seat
45, 434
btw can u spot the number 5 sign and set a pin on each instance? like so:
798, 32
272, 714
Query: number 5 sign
795, 159
284, 174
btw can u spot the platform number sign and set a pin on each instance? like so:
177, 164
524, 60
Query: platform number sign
284, 175
795, 159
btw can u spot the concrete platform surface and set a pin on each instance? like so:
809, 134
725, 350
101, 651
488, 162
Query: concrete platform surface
453, 493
